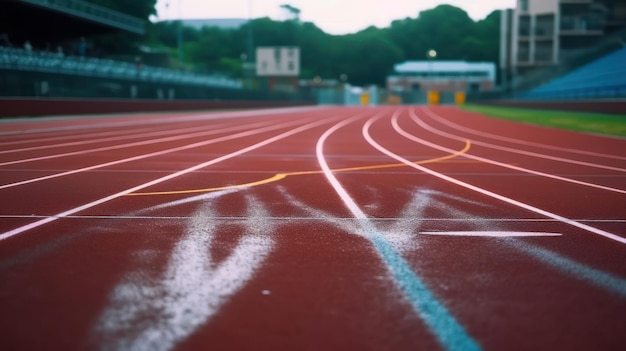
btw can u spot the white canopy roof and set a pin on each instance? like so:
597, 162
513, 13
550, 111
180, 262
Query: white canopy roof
409, 67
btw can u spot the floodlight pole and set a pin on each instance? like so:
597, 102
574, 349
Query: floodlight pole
431, 54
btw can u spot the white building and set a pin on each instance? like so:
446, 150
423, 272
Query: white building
547, 32
442, 76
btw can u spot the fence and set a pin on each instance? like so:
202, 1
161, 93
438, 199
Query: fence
26, 73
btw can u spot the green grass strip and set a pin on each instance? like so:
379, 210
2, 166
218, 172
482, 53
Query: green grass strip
579, 121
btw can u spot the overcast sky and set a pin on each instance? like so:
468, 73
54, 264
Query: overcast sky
332, 16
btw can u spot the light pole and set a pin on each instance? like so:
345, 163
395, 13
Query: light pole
343, 78
431, 54
432, 96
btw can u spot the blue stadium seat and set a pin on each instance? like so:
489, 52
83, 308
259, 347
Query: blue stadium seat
603, 78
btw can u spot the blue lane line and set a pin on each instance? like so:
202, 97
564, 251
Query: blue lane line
442, 324
450, 334
579, 270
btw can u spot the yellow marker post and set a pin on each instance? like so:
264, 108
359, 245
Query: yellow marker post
434, 98
459, 97
365, 99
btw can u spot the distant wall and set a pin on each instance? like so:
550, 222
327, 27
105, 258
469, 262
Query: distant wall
600, 106
10, 107
35, 84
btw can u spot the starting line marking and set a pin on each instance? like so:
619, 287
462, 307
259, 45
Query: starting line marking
494, 234
281, 176
315, 218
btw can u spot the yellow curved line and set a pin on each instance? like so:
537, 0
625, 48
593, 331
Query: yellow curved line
281, 176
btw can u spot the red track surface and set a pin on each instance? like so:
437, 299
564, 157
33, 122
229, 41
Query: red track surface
103, 246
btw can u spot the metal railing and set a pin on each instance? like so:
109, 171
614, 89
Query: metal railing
40, 61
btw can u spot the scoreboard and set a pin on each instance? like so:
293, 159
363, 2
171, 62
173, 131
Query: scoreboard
278, 61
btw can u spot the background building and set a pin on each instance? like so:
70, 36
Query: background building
443, 76
549, 32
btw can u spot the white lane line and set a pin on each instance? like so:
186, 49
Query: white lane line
440, 322
244, 150
508, 149
67, 137
122, 135
117, 136
492, 233
149, 119
508, 200
461, 128
158, 153
405, 134
135, 144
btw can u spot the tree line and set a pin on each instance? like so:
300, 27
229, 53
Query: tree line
366, 57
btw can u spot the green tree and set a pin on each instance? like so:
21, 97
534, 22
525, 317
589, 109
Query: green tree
451, 32
211, 51
367, 57
442, 28
487, 33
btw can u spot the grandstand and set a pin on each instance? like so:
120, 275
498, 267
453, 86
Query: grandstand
43, 69
602, 78
43, 21
49, 62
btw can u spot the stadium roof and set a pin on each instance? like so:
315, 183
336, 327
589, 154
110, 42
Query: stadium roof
44, 20
409, 67
224, 23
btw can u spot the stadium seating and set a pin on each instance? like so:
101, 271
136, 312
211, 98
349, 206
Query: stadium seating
21, 59
603, 78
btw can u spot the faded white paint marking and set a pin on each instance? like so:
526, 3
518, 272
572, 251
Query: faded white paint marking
402, 233
579, 270
491, 233
156, 313
346, 224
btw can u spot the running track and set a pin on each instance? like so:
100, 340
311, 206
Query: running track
318, 228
